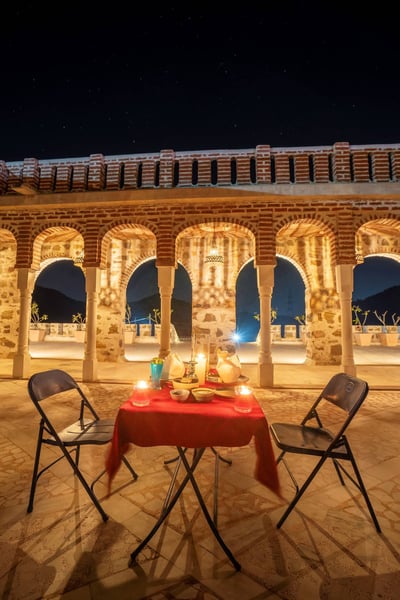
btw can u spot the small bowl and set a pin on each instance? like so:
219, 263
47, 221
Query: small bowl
202, 394
178, 384
180, 395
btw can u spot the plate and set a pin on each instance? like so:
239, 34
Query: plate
242, 379
225, 392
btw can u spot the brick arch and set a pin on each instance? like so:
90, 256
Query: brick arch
124, 229
309, 226
131, 268
8, 232
370, 219
205, 227
377, 237
241, 225
316, 222
61, 233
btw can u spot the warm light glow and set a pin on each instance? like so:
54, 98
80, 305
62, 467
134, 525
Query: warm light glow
200, 368
243, 390
142, 385
214, 257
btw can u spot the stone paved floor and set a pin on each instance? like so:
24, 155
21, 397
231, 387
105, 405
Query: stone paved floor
327, 549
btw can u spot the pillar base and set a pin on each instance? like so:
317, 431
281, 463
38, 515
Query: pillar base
265, 375
22, 366
89, 370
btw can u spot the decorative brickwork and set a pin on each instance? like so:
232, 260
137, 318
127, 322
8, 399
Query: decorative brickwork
319, 207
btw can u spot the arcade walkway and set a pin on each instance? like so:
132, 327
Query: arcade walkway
377, 364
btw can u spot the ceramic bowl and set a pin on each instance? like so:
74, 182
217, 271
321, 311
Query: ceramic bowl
180, 395
202, 394
178, 384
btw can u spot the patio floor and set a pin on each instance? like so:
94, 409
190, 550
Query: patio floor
327, 549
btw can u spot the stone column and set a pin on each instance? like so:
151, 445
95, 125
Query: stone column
22, 359
166, 278
89, 369
344, 277
265, 283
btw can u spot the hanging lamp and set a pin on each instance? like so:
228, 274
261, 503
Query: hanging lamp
213, 256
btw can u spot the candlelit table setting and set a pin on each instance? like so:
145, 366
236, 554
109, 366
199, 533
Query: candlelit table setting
156, 417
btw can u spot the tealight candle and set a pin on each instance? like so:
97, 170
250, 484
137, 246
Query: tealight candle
200, 368
141, 394
243, 399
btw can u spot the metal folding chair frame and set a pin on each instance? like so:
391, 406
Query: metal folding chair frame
54, 382
338, 450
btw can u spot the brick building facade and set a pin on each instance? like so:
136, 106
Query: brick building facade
323, 208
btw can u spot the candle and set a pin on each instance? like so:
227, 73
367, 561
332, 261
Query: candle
243, 399
141, 394
200, 368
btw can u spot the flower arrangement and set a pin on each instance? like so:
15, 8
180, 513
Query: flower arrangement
156, 317
357, 312
79, 319
36, 317
381, 318
128, 314
395, 319
274, 314
301, 319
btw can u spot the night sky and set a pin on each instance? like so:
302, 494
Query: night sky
83, 78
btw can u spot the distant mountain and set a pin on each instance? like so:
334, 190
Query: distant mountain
388, 300
181, 313
58, 307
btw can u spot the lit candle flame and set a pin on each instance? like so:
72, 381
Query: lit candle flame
244, 390
142, 385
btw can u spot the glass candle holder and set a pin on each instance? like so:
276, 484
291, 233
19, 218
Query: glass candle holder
141, 396
243, 401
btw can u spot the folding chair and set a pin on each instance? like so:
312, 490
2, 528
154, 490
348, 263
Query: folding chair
53, 386
346, 393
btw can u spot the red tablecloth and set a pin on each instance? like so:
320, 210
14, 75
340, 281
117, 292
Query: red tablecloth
166, 422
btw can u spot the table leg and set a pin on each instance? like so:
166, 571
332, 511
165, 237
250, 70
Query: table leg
177, 458
169, 506
198, 454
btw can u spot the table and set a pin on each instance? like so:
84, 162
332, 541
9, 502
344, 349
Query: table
165, 422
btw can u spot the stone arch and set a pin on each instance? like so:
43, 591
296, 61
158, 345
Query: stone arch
56, 241
196, 231
377, 237
214, 281
125, 246
125, 230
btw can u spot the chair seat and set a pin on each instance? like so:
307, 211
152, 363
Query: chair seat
93, 432
302, 439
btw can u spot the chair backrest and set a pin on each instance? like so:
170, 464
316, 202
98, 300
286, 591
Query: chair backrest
47, 383
346, 392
